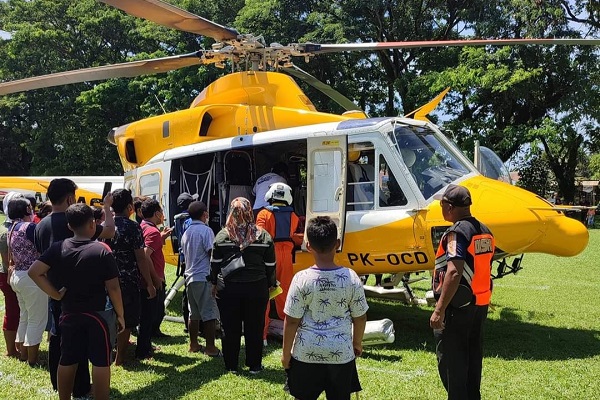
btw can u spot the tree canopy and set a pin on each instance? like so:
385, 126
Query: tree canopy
509, 98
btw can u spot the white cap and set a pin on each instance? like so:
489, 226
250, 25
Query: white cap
9, 196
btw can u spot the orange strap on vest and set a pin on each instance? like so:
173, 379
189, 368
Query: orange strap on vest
481, 249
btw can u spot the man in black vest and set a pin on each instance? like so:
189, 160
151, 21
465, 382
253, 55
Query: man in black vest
463, 287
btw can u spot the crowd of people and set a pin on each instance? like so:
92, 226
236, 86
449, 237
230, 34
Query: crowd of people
92, 276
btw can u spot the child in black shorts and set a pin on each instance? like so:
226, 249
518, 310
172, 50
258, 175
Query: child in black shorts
325, 318
87, 271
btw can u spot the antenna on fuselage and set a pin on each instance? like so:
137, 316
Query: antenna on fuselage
160, 104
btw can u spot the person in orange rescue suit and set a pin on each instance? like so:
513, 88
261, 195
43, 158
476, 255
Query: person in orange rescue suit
280, 220
462, 286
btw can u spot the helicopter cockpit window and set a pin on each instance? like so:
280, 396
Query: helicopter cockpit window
361, 177
150, 185
434, 165
390, 193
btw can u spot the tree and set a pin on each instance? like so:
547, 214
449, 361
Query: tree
62, 130
594, 166
74, 35
535, 174
504, 97
512, 96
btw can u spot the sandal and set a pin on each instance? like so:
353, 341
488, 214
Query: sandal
218, 354
200, 349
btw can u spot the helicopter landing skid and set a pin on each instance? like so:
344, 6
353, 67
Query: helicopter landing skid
405, 294
179, 283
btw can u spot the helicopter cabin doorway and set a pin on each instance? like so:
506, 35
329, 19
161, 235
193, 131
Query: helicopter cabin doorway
217, 178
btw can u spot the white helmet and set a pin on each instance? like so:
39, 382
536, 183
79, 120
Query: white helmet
279, 192
7, 199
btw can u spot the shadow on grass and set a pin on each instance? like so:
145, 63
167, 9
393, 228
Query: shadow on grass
509, 337
173, 360
371, 353
172, 339
173, 384
276, 375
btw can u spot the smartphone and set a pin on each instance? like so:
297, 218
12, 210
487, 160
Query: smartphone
106, 190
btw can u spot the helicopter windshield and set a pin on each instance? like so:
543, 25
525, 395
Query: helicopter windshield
432, 163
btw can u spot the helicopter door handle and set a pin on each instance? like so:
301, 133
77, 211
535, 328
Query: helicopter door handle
338, 193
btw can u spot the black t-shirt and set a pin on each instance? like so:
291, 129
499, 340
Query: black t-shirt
82, 267
54, 228
51, 229
128, 238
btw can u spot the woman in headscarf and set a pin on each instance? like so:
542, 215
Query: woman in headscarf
246, 291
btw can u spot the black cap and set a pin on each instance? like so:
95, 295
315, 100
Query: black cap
184, 200
458, 196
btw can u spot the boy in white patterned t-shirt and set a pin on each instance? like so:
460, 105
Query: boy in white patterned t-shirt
325, 317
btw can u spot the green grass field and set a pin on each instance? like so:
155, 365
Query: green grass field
542, 342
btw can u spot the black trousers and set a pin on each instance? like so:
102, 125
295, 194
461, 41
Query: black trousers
159, 309
243, 303
147, 313
82, 384
459, 350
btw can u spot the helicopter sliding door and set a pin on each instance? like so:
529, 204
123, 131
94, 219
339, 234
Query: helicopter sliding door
326, 179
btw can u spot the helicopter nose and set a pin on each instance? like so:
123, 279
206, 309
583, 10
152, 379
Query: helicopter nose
564, 236
523, 222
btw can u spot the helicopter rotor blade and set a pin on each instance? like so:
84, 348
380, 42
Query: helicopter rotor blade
324, 88
170, 16
123, 70
336, 48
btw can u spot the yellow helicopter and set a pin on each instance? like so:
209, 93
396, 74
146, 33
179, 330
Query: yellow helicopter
375, 176
90, 188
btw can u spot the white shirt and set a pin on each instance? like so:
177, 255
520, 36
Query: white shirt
326, 300
261, 187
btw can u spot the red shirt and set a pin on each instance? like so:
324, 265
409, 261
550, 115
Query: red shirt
153, 240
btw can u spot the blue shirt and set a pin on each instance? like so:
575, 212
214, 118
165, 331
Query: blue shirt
196, 244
